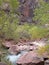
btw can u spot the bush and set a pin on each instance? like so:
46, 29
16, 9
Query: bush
22, 32
42, 13
38, 32
44, 49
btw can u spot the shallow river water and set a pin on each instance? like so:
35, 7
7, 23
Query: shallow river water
13, 58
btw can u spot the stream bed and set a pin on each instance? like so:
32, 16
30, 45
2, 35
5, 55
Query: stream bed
13, 58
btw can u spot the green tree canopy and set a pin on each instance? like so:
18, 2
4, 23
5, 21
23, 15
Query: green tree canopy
42, 13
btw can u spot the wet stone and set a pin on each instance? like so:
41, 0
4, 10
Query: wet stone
46, 62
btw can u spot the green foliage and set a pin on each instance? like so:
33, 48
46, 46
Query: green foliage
8, 24
42, 13
6, 61
1, 2
30, 32
38, 32
44, 49
22, 32
14, 4
9, 27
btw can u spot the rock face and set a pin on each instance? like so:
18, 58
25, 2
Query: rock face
30, 58
2, 63
14, 49
26, 9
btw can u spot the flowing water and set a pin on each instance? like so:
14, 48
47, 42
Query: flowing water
13, 58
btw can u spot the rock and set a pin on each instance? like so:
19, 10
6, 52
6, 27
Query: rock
1, 63
46, 62
30, 58
8, 43
39, 43
26, 9
45, 56
14, 49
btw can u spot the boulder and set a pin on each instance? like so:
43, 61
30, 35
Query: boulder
8, 43
14, 49
45, 56
30, 58
46, 62
1, 63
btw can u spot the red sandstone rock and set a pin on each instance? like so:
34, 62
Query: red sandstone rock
13, 49
8, 43
30, 58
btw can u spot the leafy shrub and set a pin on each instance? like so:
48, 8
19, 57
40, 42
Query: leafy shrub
22, 32
8, 24
44, 49
38, 32
42, 13
9, 27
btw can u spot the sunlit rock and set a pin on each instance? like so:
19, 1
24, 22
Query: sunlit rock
39, 43
30, 58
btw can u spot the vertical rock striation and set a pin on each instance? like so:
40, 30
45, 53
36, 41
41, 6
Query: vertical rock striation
26, 9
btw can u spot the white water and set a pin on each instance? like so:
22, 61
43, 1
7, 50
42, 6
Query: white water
13, 58
39, 43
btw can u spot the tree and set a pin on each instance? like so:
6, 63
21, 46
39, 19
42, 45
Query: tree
8, 22
42, 13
